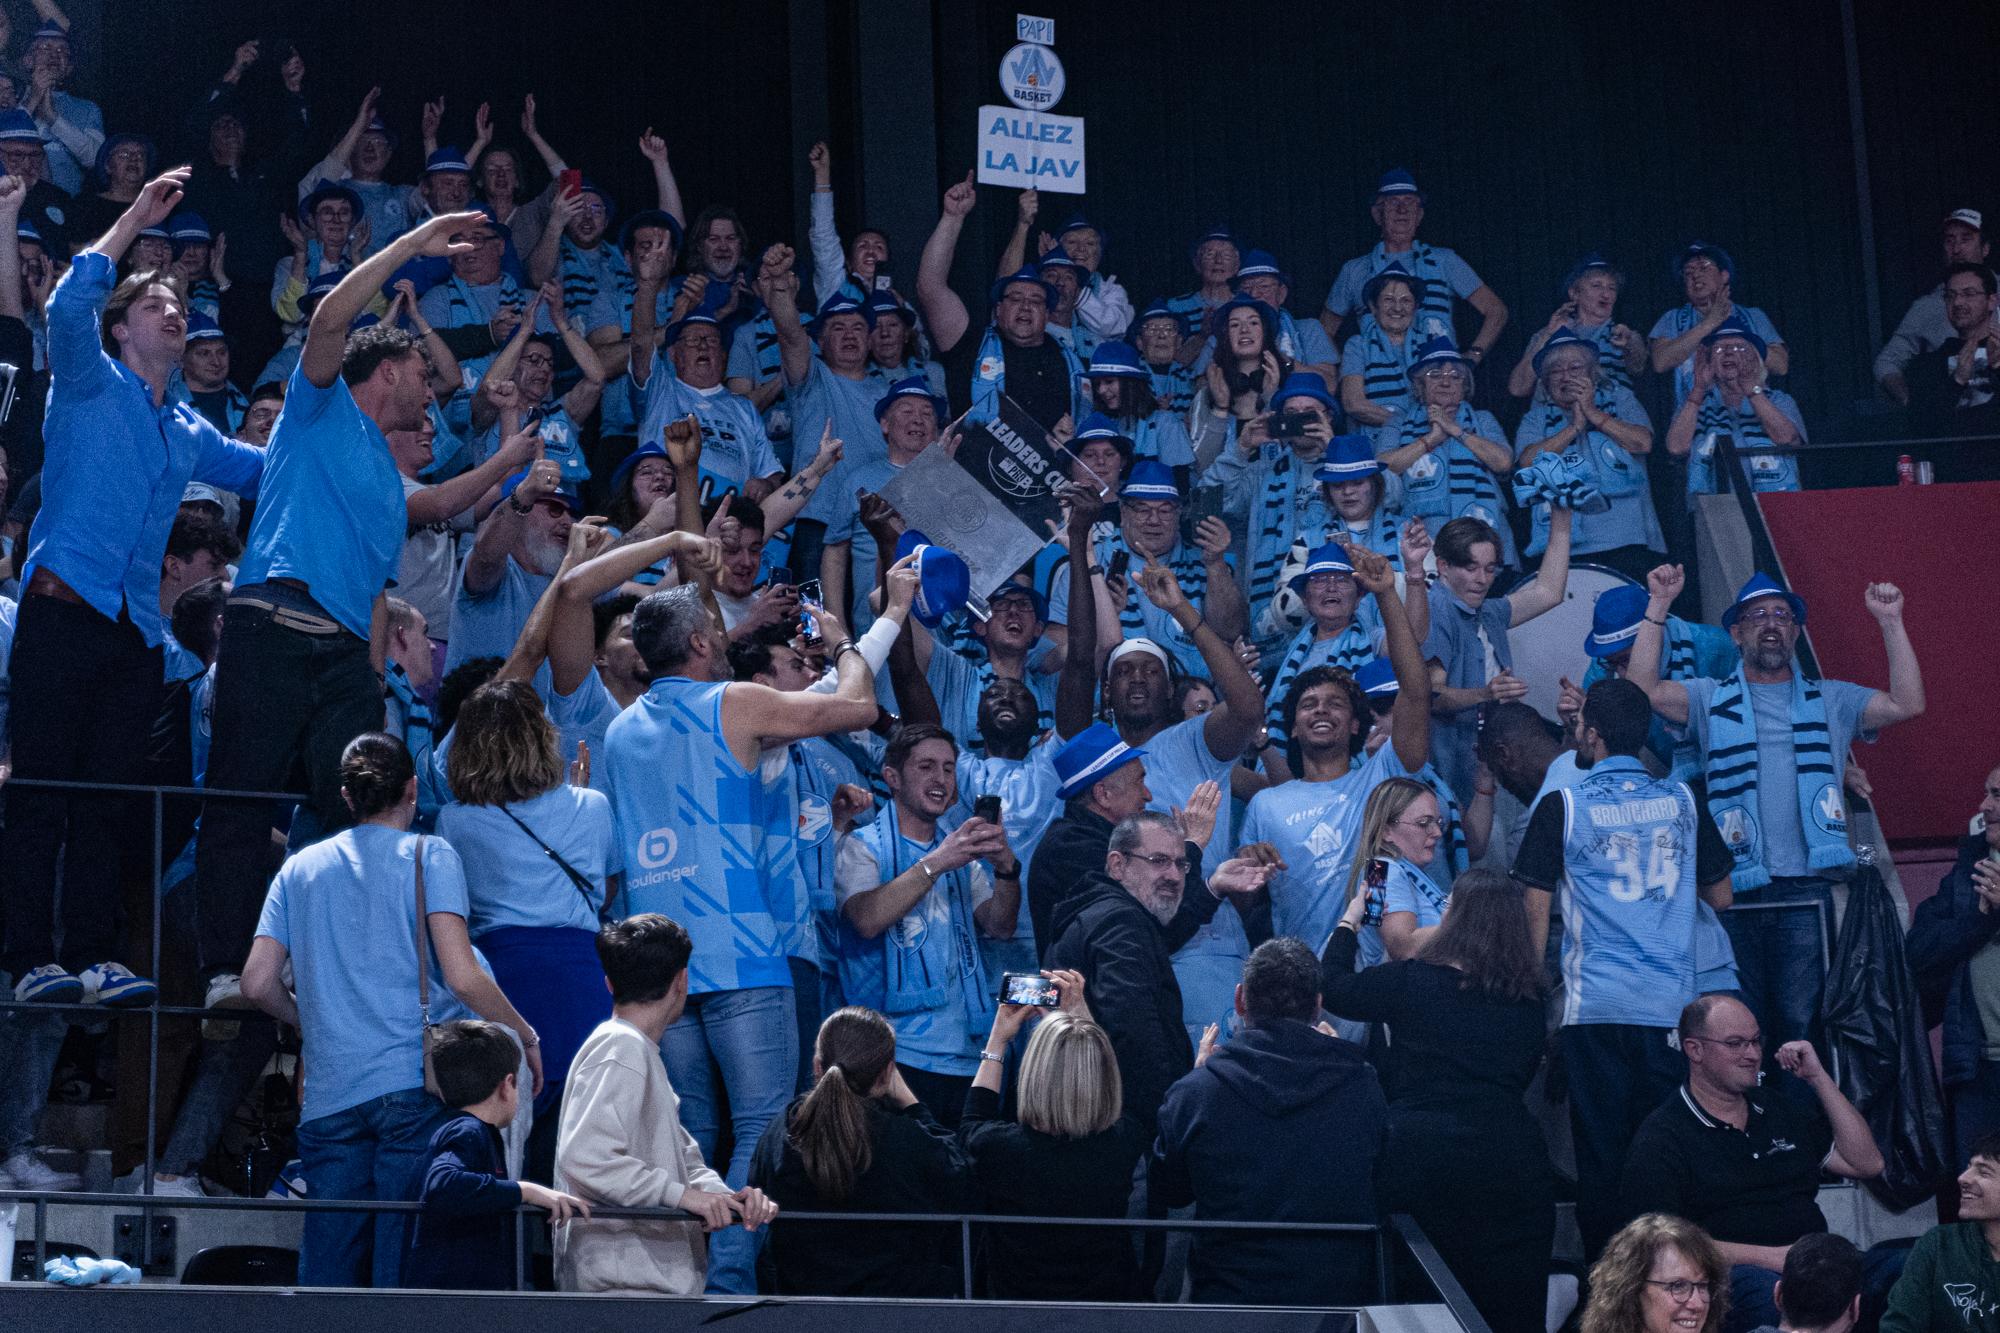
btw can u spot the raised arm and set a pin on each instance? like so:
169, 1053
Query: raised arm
1855, 1154
1076, 687
531, 131
942, 308
1230, 724
583, 396
572, 632
666, 190
1546, 592
1669, 697
342, 153
435, 504
1015, 253
160, 197
1904, 698
778, 285
828, 255
326, 335
1410, 715
543, 259
783, 505
531, 647
497, 392
488, 560
12, 192
752, 713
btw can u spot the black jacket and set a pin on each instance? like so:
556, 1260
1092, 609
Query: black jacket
1071, 852
1935, 393
1126, 958
464, 1237
1947, 930
1283, 1123
916, 1166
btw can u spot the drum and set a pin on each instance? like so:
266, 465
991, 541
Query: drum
1550, 646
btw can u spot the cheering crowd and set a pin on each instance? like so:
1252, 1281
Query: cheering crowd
759, 862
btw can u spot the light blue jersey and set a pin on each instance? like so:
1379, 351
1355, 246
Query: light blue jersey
1028, 805
734, 448
691, 825
850, 406
1139, 617
1208, 966
487, 624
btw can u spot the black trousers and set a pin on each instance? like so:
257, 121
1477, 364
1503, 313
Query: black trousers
84, 692
1618, 1074
285, 701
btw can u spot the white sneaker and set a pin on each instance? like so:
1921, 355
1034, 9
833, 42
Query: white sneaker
116, 986
186, 1187
225, 991
25, 1170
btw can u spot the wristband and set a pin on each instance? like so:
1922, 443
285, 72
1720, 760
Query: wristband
1010, 875
514, 504
531, 1039
929, 874
1650, 621
996, 1059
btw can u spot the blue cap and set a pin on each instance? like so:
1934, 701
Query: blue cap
1218, 318
1734, 327
158, 231
1219, 232
1564, 336
565, 492
1438, 350
376, 125
117, 141
1261, 263
1039, 603
624, 470
678, 327
1390, 272
50, 31
1348, 458
1078, 222
1614, 623
914, 386
841, 303
325, 191
649, 217
1331, 558
943, 581
1591, 260
1703, 250
1117, 361
1059, 258
1397, 180
880, 303
1150, 480
24, 230
1026, 273
446, 159
1157, 310
189, 228
1303, 384
18, 126
1763, 585
1377, 678
200, 326
1090, 756
324, 283
1098, 426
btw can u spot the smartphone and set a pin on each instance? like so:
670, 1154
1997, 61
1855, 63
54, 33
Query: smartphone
1027, 988
810, 594
570, 181
987, 808
1206, 502
781, 577
1290, 425
1375, 880
1114, 568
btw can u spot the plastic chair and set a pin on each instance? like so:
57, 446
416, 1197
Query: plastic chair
24, 1257
242, 1266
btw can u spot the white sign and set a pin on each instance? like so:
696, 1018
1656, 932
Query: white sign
1028, 28
1021, 150
1031, 77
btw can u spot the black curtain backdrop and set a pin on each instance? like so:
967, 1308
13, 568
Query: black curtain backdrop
1538, 132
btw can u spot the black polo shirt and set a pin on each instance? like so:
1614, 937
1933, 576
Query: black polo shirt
1751, 1186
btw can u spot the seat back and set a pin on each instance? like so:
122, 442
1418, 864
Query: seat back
243, 1266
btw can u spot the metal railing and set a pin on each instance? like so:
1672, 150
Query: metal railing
1398, 1226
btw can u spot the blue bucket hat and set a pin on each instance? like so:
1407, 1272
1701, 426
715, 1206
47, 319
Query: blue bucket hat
50, 31
189, 228
1303, 384
1078, 222
1117, 361
24, 230
624, 470
1260, 263
1026, 273
1398, 180
1763, 585
880, 303
1150, 480
943, 581
1059, 258
914, 386
117, 141
1591, 260
1437, 351
1391, 271
649, 217
1348, 458
17, 126
376, 125
1098, 426
322, 284
324, 192
841, 303
1564, 336
1090, 756
679, 326
1703, 250
1039, 603
158, 231
1736, 328
1218, 318
200, 327
1377, 678
565, 492
446, 159
1331, 558
1219, 232
1614, 622
1156, 310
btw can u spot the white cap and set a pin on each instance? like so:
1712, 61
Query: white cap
1130, 646
1971, 217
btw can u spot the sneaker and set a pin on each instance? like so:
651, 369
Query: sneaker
115, 986
291, 1182
225, 991
49, 984
184, 1187
25, 1170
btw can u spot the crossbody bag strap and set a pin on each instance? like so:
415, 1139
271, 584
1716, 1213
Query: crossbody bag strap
423, 941
576, 877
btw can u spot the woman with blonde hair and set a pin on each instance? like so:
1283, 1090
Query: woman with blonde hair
859, 1141
538, 855
1660, 1274
1400, 831
1069, 1151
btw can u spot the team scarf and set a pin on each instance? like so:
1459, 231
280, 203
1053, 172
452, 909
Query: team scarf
908, 969
1352, 647
1173, 387
1732, 772
1287, 501
1610, 361
420, 737
1189, 572
1385, 367
580, 272
1457, 480
1714, 419
460, 310
989, 376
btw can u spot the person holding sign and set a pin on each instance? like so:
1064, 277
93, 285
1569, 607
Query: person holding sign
1016, 356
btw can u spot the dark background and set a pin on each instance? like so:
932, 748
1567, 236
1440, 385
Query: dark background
1538, 133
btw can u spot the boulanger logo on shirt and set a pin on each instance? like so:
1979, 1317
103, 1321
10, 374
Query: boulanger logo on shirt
656, 851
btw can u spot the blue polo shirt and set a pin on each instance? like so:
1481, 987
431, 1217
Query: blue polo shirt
115, 465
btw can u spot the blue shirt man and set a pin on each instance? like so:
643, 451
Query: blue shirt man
1399, 210
685, 379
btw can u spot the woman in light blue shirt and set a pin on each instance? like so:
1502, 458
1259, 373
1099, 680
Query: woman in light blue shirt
1400, 828
539, 858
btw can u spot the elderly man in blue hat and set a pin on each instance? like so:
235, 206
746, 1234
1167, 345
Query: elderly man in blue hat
517, 552
1156, 334
478, 307
1602, 435
23, 152
1449, 454
1216, 255
1015, 355
1783, 816
1731, 399
908, 416
1121, 387
826, 373
1398, 210
73, 126
1589, 296
1691, 649
1707, 276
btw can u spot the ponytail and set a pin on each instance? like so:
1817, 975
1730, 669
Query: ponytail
830, 1130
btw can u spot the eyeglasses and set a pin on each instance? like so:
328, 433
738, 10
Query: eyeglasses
1159, 861
537, 361
1771, 615
1734, 1045
1683, 1290
1427, 822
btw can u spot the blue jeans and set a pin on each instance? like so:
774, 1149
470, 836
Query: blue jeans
1781, 954
377, 1150
224, 1074
751, 1038
29, 1044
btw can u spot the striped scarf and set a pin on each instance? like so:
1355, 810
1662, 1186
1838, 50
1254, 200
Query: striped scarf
462, 312
1733, 773
1350, 648
1385, 367
1450, 480
1714, 419
1610, 361
1173, 387
1286, 503
579, 271
1188, 570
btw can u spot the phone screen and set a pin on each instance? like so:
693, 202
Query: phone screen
1025, 988
987, 808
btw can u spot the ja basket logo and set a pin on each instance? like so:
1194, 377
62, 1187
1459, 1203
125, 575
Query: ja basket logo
1031, 77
